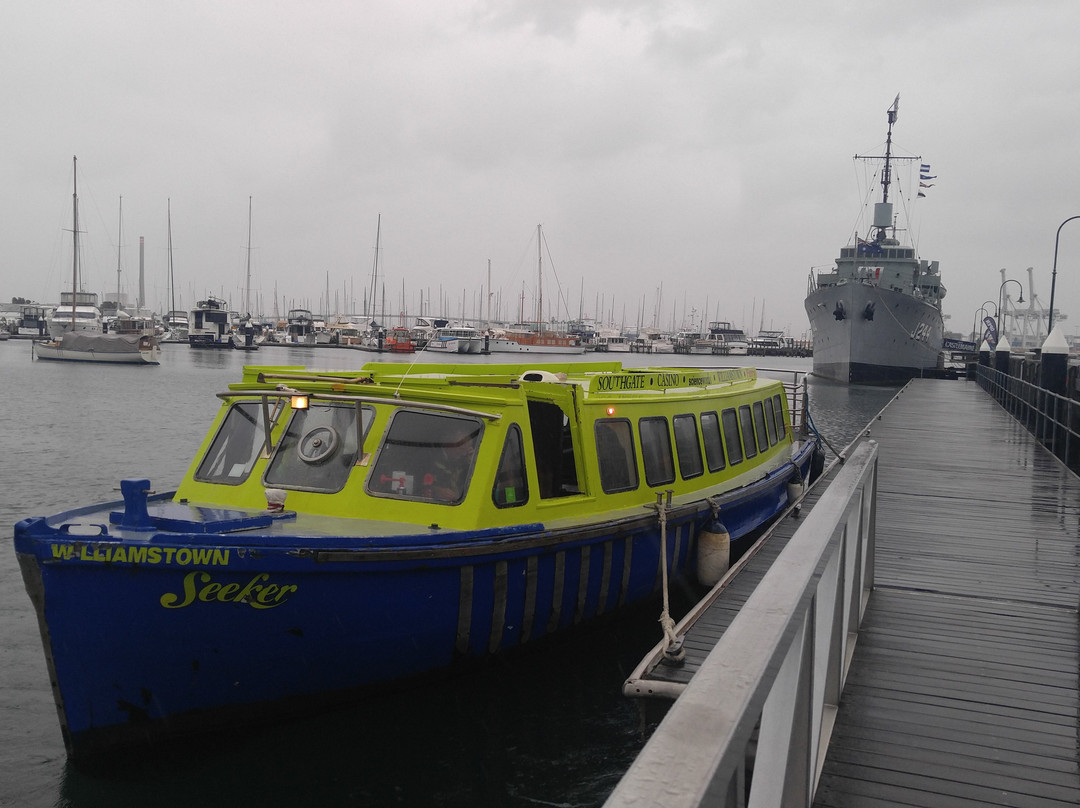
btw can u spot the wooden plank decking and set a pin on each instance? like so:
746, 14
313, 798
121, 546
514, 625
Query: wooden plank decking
963, 689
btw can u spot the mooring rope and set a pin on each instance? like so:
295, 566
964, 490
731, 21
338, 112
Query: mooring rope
673, 650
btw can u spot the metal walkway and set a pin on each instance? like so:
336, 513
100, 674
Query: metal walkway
963, 688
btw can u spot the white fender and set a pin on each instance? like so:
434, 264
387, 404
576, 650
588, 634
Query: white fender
713, 552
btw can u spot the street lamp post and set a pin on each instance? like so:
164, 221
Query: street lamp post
982, 308
975, 331
1053, 275
1000, 301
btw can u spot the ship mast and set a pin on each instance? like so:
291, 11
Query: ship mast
883, 212
883, 218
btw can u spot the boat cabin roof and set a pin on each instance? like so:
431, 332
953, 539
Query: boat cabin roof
562, 440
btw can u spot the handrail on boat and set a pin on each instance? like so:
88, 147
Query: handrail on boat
401, 402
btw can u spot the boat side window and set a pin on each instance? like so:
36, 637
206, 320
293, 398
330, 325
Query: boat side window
511, 486
318, 450
770, 421
778, 413
759, 427
426, 456
714, 443
553, 444
731, 436
615, 455
236, 446
746, 424
656, 451
687, 446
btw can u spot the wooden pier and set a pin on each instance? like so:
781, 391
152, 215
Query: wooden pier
964, 683
963, 688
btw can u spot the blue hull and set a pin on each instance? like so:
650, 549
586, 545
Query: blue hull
151, 633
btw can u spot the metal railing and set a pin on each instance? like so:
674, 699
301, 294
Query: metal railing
753, 725
1054, 420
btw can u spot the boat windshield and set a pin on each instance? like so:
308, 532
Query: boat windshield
426, 456
319, 448
236, 446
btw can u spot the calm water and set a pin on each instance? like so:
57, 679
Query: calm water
546, 726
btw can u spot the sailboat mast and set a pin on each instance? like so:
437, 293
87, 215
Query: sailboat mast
539, 280
172, 280
247, 286
74, 236
375, 265
119, 242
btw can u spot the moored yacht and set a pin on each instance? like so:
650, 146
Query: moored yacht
78, 311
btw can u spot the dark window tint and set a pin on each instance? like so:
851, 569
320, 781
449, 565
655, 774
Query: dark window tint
714, 443
778, 415
770, 421
759, 426
687, 446
656, 451
746, 425
615, 455
511, 486
731, 436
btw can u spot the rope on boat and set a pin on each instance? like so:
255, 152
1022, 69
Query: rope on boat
820, 437
674, 653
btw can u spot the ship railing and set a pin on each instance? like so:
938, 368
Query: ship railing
795, 388
753, 725
1053, 419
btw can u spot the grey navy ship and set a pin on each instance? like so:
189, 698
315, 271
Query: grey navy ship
876, 316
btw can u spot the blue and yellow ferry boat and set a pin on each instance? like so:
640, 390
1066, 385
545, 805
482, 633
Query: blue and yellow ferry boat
340, 530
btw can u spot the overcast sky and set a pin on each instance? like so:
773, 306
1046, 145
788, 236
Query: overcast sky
702, 147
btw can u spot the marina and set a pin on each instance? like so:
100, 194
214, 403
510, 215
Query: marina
617, 648
594, 405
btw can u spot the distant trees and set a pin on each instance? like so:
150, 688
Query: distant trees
18, 301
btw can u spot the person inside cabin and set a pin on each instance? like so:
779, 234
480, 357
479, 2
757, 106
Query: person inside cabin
450, 468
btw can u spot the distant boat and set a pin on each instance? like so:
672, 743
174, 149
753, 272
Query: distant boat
81, 341
534, 338
523, 339
84, 346
399, 340
456, 339
724, 339
211, 324
81, 315
176, 321
876, 315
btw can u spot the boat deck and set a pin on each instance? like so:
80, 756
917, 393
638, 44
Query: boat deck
964, 687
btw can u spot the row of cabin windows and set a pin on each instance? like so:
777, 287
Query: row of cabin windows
429, 456
727, 438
